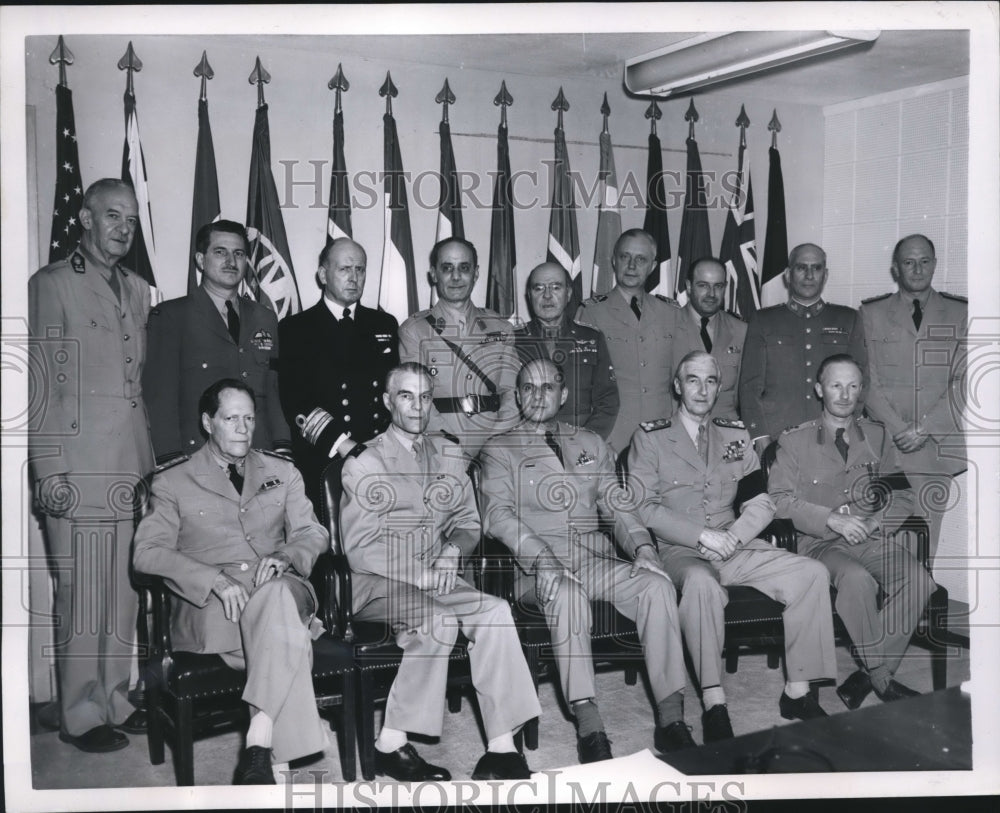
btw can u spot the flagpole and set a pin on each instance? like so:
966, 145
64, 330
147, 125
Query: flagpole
205, 207
655, 221
776, 235
501, 278
68, 199
449, 220
609, 220
695, 238
338, 218
739, 247
563, 242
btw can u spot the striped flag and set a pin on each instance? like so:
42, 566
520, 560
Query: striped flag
739, 245
141, 257
695, 240
338, 221
564, 242
655, 222
270, 276
609, 220
66, 227
776, 236
397, 291
500, 294
205, 206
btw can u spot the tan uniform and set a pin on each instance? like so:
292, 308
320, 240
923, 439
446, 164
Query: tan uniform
727, 334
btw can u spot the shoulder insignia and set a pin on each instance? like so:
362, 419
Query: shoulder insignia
667, 299
652, 426
78, 263
878, 298
174, 461
449, 436
806, 425
728, 424
954, 297
594, 300
356, 450
279, 455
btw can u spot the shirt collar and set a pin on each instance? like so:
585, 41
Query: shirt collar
799, 309
338, 310
405, 441
691, 424
220, 301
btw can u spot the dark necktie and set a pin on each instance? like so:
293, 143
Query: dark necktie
635, 307
236, 478
233, 321
347, 316
918, 314
115, 285
550, 441
705, 338
840, 443
702, 444
420, 453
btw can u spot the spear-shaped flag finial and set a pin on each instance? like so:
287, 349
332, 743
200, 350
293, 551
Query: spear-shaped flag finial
503, 100
560, 104
691, 116
774, 126
605, 112
743, 121
259, 77
445, 97
654, 114
340, 84
129, 62
390, 92
61, 56
204, 70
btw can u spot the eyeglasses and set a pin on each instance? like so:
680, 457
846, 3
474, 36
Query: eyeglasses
539, 288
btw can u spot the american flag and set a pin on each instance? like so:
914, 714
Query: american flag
66, 227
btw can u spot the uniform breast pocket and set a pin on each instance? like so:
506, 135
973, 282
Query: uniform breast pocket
889, 349
834, 340
785, 345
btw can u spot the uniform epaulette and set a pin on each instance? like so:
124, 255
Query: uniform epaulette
279, 455
805, 425
356, 450
955, 297
174, 461
419, 314
594, 300
652, 426
667, 299
878, 298
728, 424
449, 436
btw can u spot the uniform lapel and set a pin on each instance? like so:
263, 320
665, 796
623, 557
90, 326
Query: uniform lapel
253, 476
901, 314
683, 445
620, 308
212, 477
210, 315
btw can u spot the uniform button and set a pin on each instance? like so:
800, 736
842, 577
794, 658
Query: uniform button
809, 347
642, 364
815, 481
808, 330
468, 376
248, 538
241, 349
347, 418
134, 404
433, 359
343, 386
808, 364
374, 383
809, 381
243, 510
191, 442
204, 365
645, 389
125, 337
345, 402
128, 359
375, 400
61, 377
73, 425
244, 565
642, 338
244, 374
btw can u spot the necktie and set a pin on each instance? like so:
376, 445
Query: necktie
233, 321
550, 441
702, 444
705, 338
347, 316
419, 454
918, 314
236, 478
115, 286
840, 443
635, 307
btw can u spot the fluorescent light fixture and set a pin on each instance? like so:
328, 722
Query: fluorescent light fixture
707, 59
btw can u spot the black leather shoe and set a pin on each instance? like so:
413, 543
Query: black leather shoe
593, 747
673, 737
801, 708
507, 765
896, 691
855, 689
406, 765
715, 724
136, 723
99, 740
254, 767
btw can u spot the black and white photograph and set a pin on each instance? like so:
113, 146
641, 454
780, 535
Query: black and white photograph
518, 405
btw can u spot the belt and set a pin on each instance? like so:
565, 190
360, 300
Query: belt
479, 403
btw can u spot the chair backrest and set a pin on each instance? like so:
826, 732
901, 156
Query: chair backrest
767, 458
333, 489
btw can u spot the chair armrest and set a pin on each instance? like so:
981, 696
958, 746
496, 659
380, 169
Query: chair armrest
331, 576
499, 569
155, 594
783, 535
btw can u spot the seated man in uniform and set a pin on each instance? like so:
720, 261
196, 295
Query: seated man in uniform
823, 480
409, 518
567, 559
690, 469
232, 532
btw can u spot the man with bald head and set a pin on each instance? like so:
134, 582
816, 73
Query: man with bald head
785, 345
334, 358
704, 325
581, 352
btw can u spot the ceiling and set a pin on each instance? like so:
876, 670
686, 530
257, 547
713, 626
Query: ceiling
898, 59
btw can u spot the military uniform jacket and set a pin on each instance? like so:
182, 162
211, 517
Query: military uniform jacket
809, 479
582, 354
727, 349
339, 369
783, 349
487, 341
533, 503
91, 421
396, 518
642, 355
680, 495
199, 526
917, 374
189, 350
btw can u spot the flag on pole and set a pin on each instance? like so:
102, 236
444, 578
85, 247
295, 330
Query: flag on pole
776, 236
695, 240
270, 276
609, 217
739, 242
397, 292
449, 222
564, 241
141, 257
205, 206
500, 294
338, 223
655, 222
66, 227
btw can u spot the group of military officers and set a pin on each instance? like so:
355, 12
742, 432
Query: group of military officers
543, 411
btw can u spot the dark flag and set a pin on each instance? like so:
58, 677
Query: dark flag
205, 206
141, 258
655, 221
739, 241
500, 293
270, 276
776, 236
695, 240
69, 186
449, 223
338, 223
564, 241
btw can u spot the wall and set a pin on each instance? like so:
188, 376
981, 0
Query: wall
300, 121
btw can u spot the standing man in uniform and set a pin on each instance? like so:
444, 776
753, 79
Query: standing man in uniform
468, 351
566, 559
704, 325
640, 329
232, 532
785, 345
409, 519
334, 359
581, 352
88, 451
211, 334
915, 340
689, 470
823, 479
